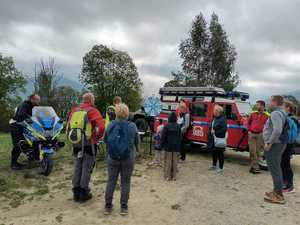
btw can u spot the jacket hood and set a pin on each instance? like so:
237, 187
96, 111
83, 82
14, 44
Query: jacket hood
172, 118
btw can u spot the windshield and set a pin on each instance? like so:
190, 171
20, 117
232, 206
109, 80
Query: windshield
169, 106
43, 112
244, 108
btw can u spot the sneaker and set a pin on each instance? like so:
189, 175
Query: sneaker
288, 190
212, 168
273, 197
108, 209
124, 210
219, 170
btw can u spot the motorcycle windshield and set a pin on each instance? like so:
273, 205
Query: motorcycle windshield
45, 115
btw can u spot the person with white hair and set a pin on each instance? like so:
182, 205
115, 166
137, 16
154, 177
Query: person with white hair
122, 140
218, 132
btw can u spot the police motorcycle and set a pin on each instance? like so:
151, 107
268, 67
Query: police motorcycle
41, 133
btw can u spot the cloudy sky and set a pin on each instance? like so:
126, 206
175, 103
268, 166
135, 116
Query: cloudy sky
265, 33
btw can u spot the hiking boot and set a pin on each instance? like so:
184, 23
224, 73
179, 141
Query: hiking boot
16, 166
124, 210
85, 195
273, 197
76, 194
108, 209
289, 190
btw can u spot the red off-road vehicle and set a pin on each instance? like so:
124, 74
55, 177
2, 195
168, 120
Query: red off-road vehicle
201, 101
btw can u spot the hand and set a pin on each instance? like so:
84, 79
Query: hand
212, 131
267, 146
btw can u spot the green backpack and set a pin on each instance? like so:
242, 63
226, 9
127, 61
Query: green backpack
80, 128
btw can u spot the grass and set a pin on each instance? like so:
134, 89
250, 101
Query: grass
18, 187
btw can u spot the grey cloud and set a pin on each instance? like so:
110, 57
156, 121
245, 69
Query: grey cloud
261, 32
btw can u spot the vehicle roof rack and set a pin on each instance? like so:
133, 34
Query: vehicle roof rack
238, 94
192, 91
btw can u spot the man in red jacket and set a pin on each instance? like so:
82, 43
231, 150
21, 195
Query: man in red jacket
85, 158
256, 125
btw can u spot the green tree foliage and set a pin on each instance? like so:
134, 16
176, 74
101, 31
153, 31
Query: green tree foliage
222, 56
109, 72
66, 98
11, 81
208, 56
177, 81
194, 52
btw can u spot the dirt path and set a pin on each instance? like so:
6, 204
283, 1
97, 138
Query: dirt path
198, 197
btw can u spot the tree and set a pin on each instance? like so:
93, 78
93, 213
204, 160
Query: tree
109, 72
208, 56
194, 53
45, 82
222, 57
177, 81
11, 82
66, 98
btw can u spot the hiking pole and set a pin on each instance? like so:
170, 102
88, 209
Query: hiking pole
150, 151
172, 169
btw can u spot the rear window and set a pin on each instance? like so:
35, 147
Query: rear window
199, 109
169, 106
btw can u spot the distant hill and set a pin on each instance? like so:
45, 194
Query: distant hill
63, 82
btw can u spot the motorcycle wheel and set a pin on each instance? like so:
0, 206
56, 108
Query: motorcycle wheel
46, 165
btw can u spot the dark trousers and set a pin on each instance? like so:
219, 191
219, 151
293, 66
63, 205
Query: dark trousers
218, 155
287, 172
273, 158
16, 136
83, 171
125, 169
183, 149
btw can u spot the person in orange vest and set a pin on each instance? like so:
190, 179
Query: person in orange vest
256, 125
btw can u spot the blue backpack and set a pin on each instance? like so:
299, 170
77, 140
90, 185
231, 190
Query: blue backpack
290, 131
118, 141
293, 129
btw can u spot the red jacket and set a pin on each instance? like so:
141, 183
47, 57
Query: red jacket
257, 121
96, 120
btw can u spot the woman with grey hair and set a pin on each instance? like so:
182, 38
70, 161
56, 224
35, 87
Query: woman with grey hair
122, 139
218, 132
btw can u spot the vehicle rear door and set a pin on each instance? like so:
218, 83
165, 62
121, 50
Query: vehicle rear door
200, 120
236, 130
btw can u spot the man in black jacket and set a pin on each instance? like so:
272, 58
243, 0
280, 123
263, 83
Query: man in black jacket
23, 112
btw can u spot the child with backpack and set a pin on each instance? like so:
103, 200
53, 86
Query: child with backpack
293, 133
122, 140
158, 158
85, 128
171, 143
